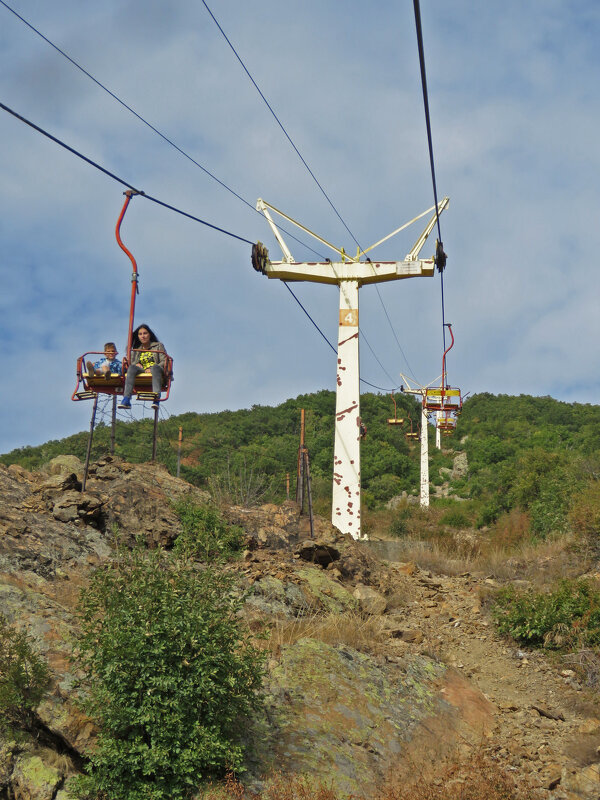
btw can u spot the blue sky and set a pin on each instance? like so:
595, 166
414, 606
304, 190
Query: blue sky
515, 121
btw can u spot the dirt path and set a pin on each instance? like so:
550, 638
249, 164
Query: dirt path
547, 724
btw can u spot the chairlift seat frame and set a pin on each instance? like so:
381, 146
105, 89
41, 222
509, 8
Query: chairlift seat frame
99, 384
440, 398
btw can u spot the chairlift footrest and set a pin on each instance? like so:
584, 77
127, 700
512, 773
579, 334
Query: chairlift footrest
146, 395
85, 395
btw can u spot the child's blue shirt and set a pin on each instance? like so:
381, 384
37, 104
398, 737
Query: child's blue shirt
115, 364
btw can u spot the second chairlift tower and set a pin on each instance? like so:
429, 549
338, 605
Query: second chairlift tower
349, 273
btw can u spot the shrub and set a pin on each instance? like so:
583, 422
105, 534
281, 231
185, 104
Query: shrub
242, 487
399, 523
205, 534
455, 519
383, 487
584, 515
489, 513
24, 676
567, 618
171, 673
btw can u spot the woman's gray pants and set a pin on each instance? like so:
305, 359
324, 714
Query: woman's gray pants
158, 376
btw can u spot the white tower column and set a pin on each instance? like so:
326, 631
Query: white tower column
345, 511
424, 460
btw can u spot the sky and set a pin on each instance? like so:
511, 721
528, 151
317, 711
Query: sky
514, 117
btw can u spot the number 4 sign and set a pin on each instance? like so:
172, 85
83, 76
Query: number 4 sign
349, 316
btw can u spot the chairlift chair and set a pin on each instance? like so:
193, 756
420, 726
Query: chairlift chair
90, 386
446, 422
395, 420
443, 398
413, 435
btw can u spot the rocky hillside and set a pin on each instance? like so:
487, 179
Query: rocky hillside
430, 679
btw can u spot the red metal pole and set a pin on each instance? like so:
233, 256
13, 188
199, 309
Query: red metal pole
134, 277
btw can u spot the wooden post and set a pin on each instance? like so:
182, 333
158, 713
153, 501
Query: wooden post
179, 450
300, 468
309, 493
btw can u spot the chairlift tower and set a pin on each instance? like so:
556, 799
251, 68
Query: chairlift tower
349, 274
424, 490
438, 430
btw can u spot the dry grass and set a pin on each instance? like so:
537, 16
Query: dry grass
350, 628
586, 664
477, 777
280, 787
505, 551
507, 557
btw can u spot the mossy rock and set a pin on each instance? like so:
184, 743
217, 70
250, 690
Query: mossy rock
34, 780
62, 465
324, 592
339, 714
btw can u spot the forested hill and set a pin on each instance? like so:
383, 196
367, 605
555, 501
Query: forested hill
526, 452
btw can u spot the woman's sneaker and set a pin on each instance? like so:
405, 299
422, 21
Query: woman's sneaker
125, 402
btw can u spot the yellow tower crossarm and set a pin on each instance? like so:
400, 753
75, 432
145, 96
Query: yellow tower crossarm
413, 254
262, 205
363, 271
441, 206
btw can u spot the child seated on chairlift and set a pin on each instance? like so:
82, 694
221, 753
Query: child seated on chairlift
106, 366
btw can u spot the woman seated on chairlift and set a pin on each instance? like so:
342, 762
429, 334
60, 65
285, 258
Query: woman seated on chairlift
147, 355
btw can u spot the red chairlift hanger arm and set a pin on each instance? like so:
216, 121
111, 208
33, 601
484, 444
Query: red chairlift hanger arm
395, 421
447, 350
134, 276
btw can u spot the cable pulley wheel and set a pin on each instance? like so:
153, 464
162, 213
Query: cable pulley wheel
260, 257
440, 257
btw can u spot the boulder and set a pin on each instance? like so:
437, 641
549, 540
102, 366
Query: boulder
400, 500
460, 467
63, 464
369, 600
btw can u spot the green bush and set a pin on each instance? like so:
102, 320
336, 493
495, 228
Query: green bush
455, 519
567, 618
399, 522
489, 513
24, 676
205, 534
385, 487
171, 675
